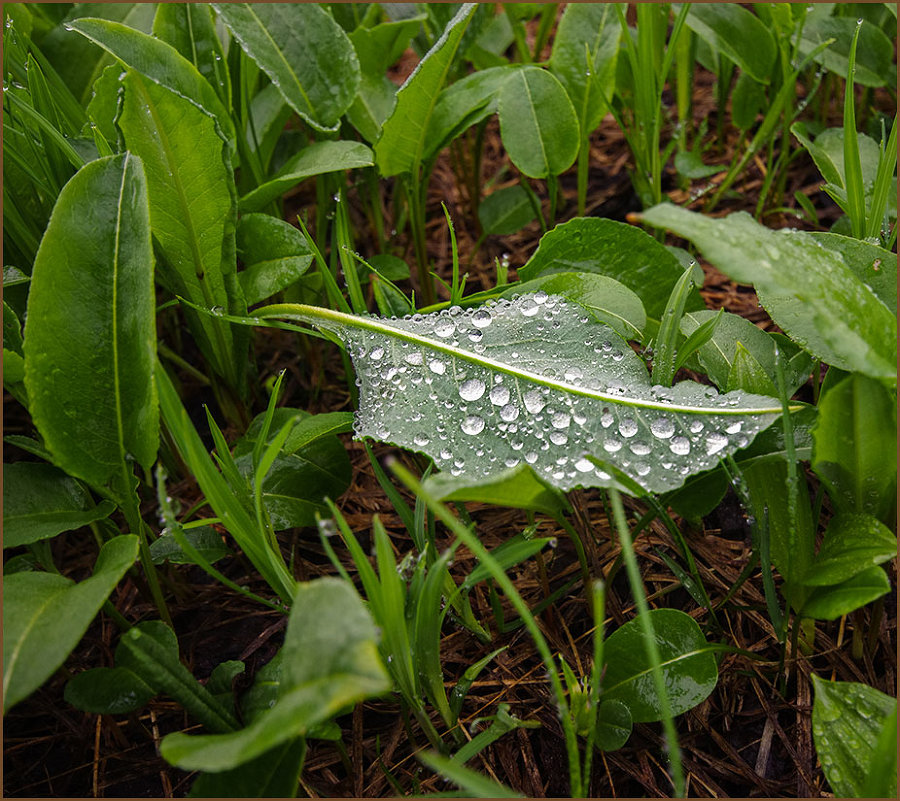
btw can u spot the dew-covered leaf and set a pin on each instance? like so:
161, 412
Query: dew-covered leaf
533, 381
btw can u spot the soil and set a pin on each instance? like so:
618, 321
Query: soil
751, 738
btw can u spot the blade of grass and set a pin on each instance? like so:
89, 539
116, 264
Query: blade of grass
856, 193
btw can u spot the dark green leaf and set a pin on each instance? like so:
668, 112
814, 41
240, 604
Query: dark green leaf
275, 254
872, 264
847, 719
747, 100
45, 615
737, 33
688, 666
305, 53
91, 392
819, 301
690, 164
108, 691
274, 774
519, 487
537, 123
40, 501
474, 785
875, 51
506, 211
613, 727
205, 539
829, 603
855, 446
614, 249
853, 543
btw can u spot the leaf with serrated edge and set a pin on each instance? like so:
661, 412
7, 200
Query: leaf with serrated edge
534, 381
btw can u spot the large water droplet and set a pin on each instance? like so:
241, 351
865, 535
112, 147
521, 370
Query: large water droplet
662, 427
437, 366
414, 358
531, 457
558, 438
628, 428
612, 445
560, 420
421, 440
472, 389
376, 354
680, 446
509, 412
444, 328
606, 419
534, 401
482, 318
584, 465
529, 308
715, 442
499, 395
639, 448
472, 425
573, 374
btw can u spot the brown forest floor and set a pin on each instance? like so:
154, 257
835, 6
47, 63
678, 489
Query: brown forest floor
751, 737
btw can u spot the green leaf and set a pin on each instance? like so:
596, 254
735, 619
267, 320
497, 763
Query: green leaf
532, 380
853, 543
855, 447
192, 211
871, 264
718, 355
45, 615
506, 211
688, 665
737, 33
315, 159
312, 465
91, 392
875, 51
150, 651
275, 254
537, 123
205, 539
748, 374
403, 142
747, 100
159, 63
819, 301
519, 487
40, 501
191, 30
108, 691
305, 53
614, 725
613, 249
584, 56
847, 720
330, 663
474, 785
607, 300
274, 774
829, 603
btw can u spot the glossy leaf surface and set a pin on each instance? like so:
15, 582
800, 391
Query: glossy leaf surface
40, 501
108, 691
91, 392
688, 667
45, 615
847, 719
532, 381
275, 254
305, 53
614, 725
737, 33
853, 543
819, 301
829, 603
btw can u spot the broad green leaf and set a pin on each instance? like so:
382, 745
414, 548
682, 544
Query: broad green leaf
206, 540
748, 374
103, 107
717, 356
305, 53
607, 300
274, 774
584, 56
537, 123
404, 139
872, 264
190, 29
613, 249
150, 651
531, 381
828, 153
315, 159
40, 501
91, 392
847, 720
268, 116
192, 211
518, 487
747, 100
307, 469
108, 691
688, 666
159, 63
275, 255
614, 725
819, 301
506, 211
829, 603
855, 446
690, 164
737, 33
874, 55
330, 662
45, 615
853, 543
468, 101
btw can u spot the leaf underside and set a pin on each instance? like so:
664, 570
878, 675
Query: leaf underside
533, 380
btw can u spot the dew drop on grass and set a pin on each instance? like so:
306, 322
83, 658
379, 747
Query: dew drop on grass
473, 424
528, 308
499, 395
444, 328
628, 428
662, 427
472, 389
481, 318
